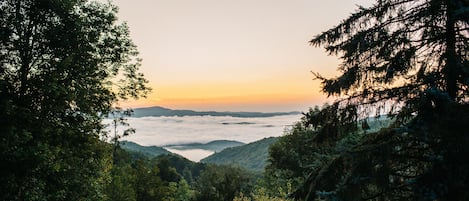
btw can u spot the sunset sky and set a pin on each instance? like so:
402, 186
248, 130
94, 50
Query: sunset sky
233, 55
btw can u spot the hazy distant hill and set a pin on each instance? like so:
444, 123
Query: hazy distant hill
160, 111
149, 151
252, 156
216, 145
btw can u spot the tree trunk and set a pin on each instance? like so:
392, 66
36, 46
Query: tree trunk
450, 70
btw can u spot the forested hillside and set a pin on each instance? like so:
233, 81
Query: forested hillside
148, 151
216, 146
172, 177
252, 156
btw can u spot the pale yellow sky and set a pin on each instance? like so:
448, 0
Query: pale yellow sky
233, 55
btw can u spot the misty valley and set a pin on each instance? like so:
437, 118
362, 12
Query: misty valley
221, 100
196, 135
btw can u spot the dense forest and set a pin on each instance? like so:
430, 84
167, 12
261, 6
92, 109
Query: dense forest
66, 63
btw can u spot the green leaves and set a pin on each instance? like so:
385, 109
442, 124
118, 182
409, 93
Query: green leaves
217, 183
60, 62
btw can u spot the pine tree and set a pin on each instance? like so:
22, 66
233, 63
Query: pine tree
408, 58
397, 50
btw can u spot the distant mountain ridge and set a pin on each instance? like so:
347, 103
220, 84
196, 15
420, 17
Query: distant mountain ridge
157, 111
215, 146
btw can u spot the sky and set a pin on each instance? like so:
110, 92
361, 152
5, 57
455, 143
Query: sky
233, 55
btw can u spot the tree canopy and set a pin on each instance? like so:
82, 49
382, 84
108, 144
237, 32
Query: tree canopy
398, 50
63, 66
407, 59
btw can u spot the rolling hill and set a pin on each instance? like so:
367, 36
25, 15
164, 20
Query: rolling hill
215, 146
148, 151
252, 156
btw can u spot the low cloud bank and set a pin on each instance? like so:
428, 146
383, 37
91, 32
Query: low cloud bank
162, 131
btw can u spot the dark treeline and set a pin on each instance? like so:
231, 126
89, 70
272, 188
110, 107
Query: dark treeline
66, 63
167, 177
171, 177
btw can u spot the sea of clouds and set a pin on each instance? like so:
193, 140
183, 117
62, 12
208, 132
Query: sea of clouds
161, 131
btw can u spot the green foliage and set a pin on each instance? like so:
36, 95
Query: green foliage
147, 151
260, 194
220, 183
186, 168
63, 65
252, 156
269, 189
146, 179
408, 58
290, 158
121, 186
289, 154
167, 172
149, 186
183, 191
418, 161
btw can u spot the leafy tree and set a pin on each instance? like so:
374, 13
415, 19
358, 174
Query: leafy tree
167, 172
118, 116
143, 178
290, 159
123, 177
264, 190
408, 58
187, 169
220, 183
149, 185
260, 194
183, 191
63, 65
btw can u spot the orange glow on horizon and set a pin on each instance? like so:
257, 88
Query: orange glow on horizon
271, 103
233, 55
247, 97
